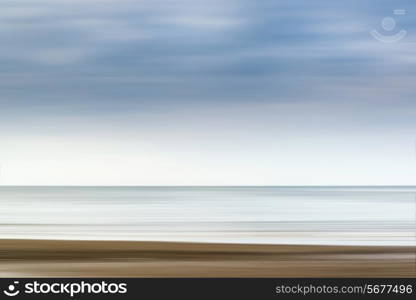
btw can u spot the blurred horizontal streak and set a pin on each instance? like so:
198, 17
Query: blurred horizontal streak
155, 259
271, 215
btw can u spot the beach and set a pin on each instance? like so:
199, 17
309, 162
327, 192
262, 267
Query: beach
207, 232
70, 258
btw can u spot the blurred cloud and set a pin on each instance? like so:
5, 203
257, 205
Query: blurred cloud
158, 71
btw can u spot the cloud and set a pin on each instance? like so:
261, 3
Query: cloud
202, 73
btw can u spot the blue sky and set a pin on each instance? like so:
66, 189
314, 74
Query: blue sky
129, 92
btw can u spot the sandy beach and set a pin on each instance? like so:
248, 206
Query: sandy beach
57, 258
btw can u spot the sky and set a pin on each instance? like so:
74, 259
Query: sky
196, 92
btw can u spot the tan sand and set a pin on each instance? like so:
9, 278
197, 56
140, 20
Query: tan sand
50, 258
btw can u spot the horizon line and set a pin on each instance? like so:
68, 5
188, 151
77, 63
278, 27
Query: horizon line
14, 185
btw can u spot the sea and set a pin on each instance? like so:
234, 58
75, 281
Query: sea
367, 215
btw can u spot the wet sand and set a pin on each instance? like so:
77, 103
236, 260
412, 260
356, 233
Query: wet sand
53, 258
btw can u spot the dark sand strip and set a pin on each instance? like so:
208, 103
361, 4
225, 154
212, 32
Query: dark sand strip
50, 258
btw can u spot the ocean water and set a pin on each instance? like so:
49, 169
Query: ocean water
272, 215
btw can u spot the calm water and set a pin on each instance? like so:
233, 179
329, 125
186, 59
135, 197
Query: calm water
301, 215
